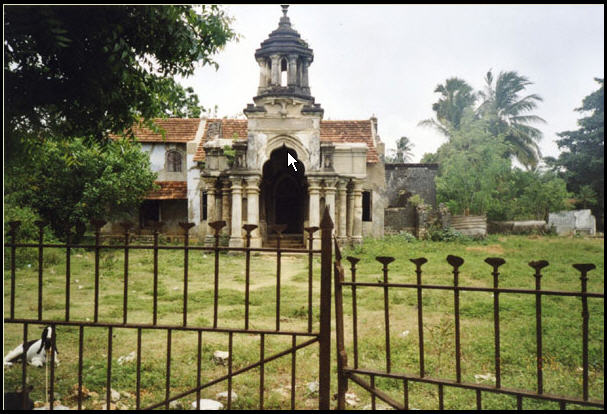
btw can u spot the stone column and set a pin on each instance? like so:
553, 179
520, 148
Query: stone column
225, 206
275, 70
350, 212
330, 197
304, 75
236, 225
292, 71
253, 208
211, 213
341, 210
263, 74
314, 204
357, 224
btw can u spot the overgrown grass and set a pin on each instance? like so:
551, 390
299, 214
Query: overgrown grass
561, 320
561, 317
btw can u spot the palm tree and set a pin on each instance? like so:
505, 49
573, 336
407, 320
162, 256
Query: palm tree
507, 113
456, 97
403, 149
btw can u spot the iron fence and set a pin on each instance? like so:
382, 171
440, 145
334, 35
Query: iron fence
308, 337
353, 372
346, 372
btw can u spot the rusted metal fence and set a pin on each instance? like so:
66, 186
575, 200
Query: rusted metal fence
346, 372
351, 371
322, 336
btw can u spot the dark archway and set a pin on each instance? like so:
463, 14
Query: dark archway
283, 191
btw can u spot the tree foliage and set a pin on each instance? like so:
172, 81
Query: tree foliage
583, 153
507, 113
504, 110
456, 96
87, 71
69, 183
476, 176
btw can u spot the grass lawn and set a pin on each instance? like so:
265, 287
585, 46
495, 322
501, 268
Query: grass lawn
561, 321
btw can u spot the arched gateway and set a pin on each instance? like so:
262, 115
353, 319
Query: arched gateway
283, 192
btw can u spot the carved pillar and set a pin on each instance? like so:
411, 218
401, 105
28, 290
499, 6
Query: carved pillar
211, 211
314, 205
357, 224
225, 206
253, 208
275, 81
236, 225
341, 210
292, 71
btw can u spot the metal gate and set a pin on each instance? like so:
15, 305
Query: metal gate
350, 370
309, 337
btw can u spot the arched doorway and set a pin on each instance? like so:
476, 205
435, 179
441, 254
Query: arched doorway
283, 193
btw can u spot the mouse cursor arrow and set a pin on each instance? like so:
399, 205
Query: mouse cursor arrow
291, 160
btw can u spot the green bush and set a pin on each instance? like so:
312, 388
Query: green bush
447, 235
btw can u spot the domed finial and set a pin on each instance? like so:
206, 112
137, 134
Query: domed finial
285, 8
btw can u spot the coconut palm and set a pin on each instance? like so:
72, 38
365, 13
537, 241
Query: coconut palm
403, 150
507, 114
456, 97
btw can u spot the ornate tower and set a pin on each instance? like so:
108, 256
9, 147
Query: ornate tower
284, 58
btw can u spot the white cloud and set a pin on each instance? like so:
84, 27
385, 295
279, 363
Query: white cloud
387, 59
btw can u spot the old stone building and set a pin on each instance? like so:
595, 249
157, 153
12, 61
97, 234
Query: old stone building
238, 170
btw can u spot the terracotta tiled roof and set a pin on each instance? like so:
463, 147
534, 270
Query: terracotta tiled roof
176, 130
224, 128
331, 131
169, 190
350, 131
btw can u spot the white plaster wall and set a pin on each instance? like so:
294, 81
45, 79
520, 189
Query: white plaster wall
156, 155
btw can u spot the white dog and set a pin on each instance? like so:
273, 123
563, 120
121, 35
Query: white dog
35, 350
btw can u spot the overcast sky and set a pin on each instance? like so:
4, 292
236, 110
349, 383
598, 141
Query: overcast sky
386, 60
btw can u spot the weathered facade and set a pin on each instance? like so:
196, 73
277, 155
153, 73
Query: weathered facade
337, 162
404, 180
237, 169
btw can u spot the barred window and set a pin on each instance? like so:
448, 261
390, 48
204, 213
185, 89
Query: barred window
173, 161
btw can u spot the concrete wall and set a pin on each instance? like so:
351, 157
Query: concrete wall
568, 222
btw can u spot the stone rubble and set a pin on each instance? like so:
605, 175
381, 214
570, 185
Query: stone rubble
221, 357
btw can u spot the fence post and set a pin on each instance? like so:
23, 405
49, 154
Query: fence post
342, 358
584, 268
40, 225
98, 224
496, 262
324, 369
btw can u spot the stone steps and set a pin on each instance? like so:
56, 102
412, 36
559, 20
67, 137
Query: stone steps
288, 241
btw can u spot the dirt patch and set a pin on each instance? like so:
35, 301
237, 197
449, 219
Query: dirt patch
492, 248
